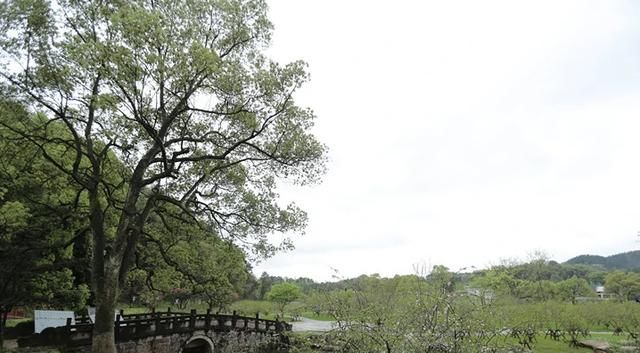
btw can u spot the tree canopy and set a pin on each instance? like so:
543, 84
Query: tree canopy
624, 285
283, 294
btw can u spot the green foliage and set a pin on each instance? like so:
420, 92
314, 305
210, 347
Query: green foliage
412, 314
55, 289
624, 285
180, 262
251, 307
283, 294
572, 288
265, 282
41, 217
537, 281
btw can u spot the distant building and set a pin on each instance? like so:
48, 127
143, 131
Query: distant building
600, 291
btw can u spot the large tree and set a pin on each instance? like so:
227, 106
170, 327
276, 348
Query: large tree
182, 94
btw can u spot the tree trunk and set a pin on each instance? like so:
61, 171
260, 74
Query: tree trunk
106, 297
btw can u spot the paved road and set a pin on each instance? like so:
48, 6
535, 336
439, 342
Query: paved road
312, 325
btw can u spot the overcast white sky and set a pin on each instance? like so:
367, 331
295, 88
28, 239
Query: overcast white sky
463, 132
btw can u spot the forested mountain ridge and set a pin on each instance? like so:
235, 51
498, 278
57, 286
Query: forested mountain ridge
623, 261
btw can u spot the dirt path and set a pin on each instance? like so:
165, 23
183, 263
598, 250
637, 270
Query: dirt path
312, 325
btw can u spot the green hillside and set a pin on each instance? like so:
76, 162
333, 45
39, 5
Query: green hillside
623, 261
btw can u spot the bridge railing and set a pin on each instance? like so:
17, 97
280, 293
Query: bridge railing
136, 326
138, 316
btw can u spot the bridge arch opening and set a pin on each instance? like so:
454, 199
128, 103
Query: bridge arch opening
198, 344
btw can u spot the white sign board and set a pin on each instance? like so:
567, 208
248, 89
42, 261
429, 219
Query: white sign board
91, 310
51, 318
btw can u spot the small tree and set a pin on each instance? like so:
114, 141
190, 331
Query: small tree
283, 294
574, 287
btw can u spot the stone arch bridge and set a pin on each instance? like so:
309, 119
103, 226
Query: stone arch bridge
171, 332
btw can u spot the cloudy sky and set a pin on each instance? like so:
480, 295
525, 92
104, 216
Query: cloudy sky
464, 132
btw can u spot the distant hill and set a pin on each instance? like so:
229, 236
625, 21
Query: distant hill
624, 261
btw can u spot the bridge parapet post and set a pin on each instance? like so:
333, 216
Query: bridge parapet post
174, 323
68, 332
116, 327
207, 320
192, 319
257, 322
157, 324
234, 319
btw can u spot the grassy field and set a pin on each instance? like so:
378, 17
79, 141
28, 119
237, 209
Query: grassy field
251, 307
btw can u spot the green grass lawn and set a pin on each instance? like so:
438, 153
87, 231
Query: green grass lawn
609, 337
250, 307
14, 322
